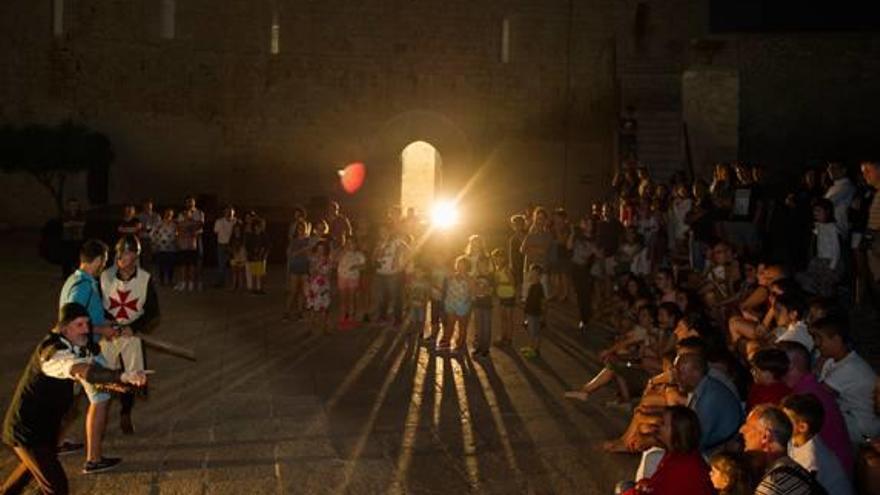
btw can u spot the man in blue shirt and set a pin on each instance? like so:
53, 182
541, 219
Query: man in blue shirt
717, 407
83, 287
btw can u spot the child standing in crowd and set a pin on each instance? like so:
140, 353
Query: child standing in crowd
418, 291
187, 249
238, 257
514, 243
505, 289
439, 275
299, 245
149, 221
165, 245
457, 305
475, 251
318, 292
823, 271
534, 311
351, 261
483, 285
257, 246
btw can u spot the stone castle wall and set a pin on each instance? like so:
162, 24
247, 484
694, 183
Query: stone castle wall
212, 111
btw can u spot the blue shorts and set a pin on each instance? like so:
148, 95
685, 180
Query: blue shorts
95, 395
298, 266
461, 309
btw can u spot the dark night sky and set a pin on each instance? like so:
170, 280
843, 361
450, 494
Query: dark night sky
788, 16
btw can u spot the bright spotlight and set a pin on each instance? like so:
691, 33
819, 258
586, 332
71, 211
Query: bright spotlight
444, 215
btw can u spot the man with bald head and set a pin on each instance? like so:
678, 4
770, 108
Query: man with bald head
766, 434
717, 407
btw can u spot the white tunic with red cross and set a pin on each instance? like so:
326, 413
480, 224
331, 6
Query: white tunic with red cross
124, 299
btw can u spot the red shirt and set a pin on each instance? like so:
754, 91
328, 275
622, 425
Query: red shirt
772, 393
678, 474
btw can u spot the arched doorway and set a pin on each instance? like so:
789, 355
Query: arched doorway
419, 177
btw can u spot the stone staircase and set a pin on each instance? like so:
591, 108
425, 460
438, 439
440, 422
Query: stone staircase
653, 87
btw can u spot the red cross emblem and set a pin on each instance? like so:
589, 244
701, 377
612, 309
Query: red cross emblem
122, 305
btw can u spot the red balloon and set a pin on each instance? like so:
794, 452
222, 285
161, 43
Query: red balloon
352, 177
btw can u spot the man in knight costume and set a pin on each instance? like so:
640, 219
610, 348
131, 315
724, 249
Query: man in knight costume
130, 302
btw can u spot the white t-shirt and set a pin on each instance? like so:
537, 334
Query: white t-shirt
852, 378
347, 261
223, 228
797, 332
814, 456
390, 257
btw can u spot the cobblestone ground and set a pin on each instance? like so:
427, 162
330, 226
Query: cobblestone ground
271, 408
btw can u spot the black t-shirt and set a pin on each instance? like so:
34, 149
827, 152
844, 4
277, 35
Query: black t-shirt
133, 223
256, 245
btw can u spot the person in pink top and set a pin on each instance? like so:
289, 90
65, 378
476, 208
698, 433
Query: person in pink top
802, 380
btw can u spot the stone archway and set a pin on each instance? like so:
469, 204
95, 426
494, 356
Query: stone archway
419, 177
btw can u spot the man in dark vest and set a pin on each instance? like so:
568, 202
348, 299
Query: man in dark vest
44, 395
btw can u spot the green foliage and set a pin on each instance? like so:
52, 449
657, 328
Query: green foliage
51, 153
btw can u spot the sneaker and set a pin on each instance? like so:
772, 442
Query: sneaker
529, 353
69, 447
104, 464
190, 287
179, 286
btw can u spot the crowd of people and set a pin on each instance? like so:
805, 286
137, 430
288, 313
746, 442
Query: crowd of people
726, 303
729, 305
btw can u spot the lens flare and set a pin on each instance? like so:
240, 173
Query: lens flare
352, 177
444, 215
